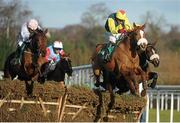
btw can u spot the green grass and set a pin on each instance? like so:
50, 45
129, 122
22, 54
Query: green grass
164, 116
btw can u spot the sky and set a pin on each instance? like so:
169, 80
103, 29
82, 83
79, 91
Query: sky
59, 13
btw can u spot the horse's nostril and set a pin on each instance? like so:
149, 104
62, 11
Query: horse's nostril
156, 62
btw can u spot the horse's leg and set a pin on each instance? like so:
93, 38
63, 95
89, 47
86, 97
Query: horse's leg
136, 84
154, 76
130, 82
62, 84
29, 87
99, 107
110, 89
144, 81
97, 73
7, 74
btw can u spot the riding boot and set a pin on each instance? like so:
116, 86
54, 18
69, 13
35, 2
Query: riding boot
46, 71
19, 52
108, 52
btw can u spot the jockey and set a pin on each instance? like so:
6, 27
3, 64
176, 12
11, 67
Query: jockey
116, 26
53, 56
24, 36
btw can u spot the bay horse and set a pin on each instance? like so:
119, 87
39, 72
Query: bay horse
58, 74
150, 55
27, 71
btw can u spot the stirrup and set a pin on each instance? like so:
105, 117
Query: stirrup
16, 61
107, 58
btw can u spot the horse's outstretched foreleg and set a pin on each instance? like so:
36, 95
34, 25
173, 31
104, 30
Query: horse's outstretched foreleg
112, 100
108, 83
7, 74
154, 76
131, 78
97, 73
29, 87
144, 78
100, 108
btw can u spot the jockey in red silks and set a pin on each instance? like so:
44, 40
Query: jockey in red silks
53, 56
26, 32
54, 52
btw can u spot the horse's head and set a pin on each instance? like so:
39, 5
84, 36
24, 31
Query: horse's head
66, 64
151, 55
39, 42
138, 36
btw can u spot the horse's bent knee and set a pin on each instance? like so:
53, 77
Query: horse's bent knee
155, 76
97, 72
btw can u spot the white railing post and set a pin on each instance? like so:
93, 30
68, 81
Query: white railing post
166, 101
79, 78
157, 109
178, 102
172, 107
147, 109
162, 102
151, 100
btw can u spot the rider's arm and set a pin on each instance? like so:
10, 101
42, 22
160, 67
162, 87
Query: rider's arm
39, 28
48, 58
24, 32
127, 25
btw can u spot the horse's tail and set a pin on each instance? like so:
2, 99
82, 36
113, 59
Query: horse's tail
7, 65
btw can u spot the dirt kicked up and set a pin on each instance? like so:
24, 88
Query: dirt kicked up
125, 109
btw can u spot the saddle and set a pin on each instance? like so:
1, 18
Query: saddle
105, 54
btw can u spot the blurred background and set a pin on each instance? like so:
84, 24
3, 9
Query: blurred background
79, 24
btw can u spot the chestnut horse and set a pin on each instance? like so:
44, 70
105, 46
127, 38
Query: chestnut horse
124, 62
150, 55
27, 71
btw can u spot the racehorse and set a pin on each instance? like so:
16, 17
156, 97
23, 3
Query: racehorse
125, 60
58, 74
148, 56
35, 50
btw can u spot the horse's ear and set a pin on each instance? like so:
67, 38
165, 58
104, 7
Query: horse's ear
47, 33
68, 54
154, 43
143, 26
134, 25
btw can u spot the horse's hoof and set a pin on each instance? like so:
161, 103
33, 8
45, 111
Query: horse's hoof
62, 85
41, 80
105, 119
153, 85
97, 84
143, 93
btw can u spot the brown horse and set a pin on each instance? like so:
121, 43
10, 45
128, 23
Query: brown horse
27, 70
124, 62
150, 55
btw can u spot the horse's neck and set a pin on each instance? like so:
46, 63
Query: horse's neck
143, 58
128, 45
